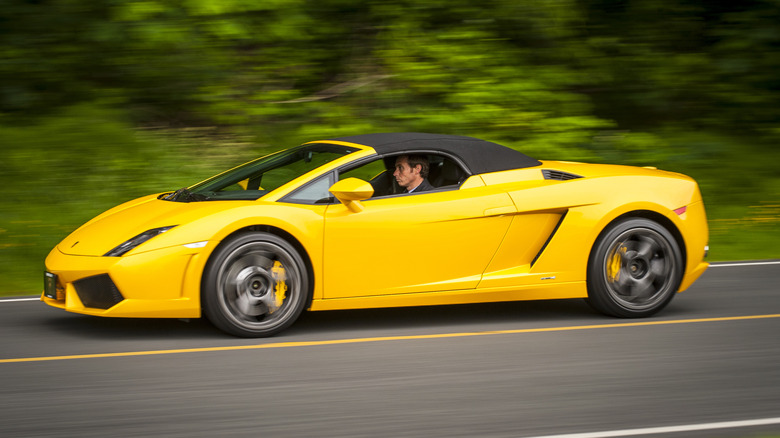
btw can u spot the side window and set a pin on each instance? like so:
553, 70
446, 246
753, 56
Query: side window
444, 172
316, 192
366, 172
376, 173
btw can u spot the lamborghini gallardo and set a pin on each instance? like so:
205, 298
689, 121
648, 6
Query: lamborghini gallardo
325, 226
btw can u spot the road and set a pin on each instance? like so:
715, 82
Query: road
496, 370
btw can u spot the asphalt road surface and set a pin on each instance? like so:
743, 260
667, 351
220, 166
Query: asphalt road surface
707, 366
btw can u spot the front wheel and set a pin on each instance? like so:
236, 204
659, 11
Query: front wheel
634, 270
254, 285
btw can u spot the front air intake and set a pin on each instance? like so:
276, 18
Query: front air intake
98, 292
559, 175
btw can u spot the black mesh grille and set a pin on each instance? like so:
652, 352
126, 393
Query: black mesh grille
98, 292
559, 175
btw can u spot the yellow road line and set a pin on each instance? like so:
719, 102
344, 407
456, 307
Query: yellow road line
384, 339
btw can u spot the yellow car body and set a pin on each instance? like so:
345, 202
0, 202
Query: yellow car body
516, 234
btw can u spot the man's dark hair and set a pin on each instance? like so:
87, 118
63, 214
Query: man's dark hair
421, 160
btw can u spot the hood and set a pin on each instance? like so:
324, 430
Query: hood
115, 226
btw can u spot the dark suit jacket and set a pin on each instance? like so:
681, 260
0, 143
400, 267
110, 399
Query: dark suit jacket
423, 187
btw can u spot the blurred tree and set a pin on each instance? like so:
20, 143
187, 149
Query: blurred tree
575, 78
497, 68
694, 64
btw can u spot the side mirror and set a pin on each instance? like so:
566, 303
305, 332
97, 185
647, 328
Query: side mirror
351, 191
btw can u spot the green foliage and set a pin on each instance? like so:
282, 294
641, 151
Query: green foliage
103, 101
59, 173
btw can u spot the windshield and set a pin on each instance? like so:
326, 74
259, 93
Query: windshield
256, 178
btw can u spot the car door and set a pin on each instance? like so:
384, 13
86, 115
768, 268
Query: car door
412, 243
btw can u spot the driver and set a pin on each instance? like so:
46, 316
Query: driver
411, 172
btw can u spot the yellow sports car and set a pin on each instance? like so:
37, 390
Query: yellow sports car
385, 220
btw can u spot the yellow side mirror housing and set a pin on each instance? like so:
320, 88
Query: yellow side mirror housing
351, 191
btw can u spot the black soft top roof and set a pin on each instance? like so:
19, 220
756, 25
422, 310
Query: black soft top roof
480, 156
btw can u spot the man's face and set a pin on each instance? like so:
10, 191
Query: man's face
404, 174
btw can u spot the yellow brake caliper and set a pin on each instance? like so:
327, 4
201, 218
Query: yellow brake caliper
280, 290
613, 267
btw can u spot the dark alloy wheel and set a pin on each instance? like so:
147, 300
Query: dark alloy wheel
634, 270
254, 285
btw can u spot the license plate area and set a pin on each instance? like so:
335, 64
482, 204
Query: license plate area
50, 285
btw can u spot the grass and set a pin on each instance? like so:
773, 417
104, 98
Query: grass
56, 179
752, 235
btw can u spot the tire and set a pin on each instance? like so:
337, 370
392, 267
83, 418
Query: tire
635, 269
254, 285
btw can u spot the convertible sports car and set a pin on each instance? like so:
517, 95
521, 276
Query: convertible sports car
325, 226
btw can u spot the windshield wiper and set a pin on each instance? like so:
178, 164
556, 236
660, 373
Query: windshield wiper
184, 195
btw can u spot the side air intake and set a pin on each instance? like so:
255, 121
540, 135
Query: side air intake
559, 175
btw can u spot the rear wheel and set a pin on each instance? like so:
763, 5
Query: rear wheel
254, 285
635, 269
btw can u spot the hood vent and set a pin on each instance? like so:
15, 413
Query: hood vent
559, 175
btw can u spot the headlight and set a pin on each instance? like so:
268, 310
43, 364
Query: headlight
135, 241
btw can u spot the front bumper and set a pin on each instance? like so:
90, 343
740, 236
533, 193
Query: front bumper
164, 283
696, 236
